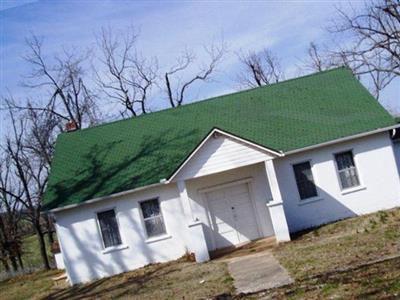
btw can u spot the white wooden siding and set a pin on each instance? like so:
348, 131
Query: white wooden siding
221, 154
396, 149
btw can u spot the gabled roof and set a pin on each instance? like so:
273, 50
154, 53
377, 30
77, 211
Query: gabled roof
133, 153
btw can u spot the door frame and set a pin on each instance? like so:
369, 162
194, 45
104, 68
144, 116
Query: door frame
203, 191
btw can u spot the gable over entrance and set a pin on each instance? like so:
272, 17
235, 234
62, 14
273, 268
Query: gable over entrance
221, 151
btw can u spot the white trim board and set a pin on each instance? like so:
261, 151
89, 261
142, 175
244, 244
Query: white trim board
224, 185
343, 139
94, 200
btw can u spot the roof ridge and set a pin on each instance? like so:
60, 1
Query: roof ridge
208, 99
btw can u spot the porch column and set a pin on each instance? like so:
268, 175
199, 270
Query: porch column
187, 207
194, 234
276, 205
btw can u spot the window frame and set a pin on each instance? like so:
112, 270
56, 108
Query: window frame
360, 185
155, 237
121, 245
312, 169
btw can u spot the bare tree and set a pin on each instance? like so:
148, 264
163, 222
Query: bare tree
10, 216
259, 68
375, 30
30, 170
62, 77
42, 134
128, 77
374, 51
30, 141
321, 58
317, 60
176, 90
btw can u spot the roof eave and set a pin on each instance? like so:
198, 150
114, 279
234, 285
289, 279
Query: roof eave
108, 197
343, 139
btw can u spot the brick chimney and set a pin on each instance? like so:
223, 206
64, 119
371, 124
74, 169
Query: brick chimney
71, 126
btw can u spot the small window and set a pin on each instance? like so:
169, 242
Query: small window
109, 228
347, 170
153, 219
305, 180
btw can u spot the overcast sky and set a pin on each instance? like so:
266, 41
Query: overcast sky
166, 28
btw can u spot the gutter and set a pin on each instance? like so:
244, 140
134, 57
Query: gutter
344, 139
91, 201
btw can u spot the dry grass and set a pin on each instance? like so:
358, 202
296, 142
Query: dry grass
376, 281
338, 261
335, 261
346, 243
32, 286
174, 280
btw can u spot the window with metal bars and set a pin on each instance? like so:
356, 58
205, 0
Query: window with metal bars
109, 228
347, 170
305, 180
152, 217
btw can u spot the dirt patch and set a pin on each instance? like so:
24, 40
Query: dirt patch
250, 248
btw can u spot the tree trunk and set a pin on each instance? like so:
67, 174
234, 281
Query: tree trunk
21, 264
50, 237
4, 261
42, 245
49, 230
5, 265
14, 263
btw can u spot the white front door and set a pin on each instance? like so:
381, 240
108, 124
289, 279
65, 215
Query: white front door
232, 215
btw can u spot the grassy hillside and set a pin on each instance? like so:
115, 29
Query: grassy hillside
30, 248
31, 254
173, 280
345, 243
357, 258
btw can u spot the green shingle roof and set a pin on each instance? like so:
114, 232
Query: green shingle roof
136, 152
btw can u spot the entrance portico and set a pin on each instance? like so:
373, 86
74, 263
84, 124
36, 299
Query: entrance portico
233, 201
